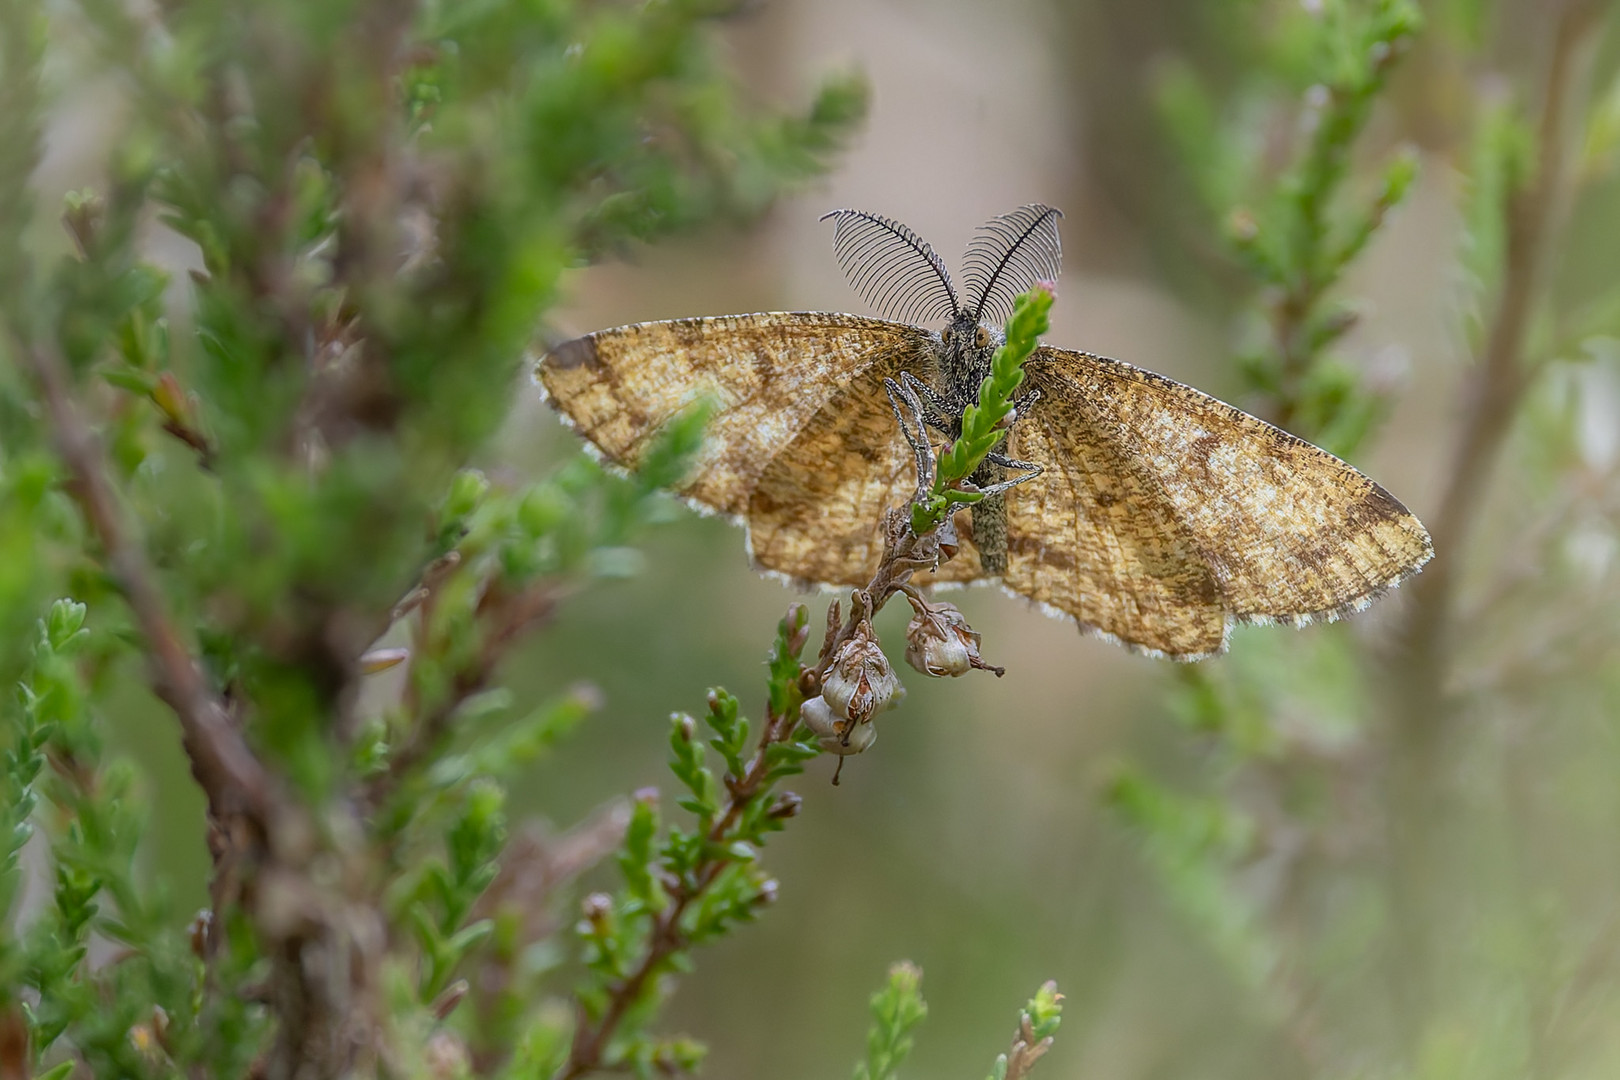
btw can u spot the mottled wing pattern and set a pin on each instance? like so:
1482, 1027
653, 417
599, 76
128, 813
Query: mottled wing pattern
1097, 541
1289, 532
803, 444
816, 514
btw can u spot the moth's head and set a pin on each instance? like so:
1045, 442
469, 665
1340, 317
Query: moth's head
970, 342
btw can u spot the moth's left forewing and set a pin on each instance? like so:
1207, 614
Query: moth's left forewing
803, 448
767, 374
1290, 532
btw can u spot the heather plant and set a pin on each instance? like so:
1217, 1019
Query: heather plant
248, 484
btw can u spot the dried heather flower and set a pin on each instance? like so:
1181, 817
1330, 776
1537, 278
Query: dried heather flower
860, 683
939, 640
836, 736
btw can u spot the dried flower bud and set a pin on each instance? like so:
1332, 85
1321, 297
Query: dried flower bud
169, 396
818, 716
860, 683
797, 621
379, 660
860, 740
198, 930
939, 641
449, 998
836, 736
598, 908
786, 806
446, 1056
809, 682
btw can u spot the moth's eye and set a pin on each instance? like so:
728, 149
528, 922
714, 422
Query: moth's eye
982, 338
946, 336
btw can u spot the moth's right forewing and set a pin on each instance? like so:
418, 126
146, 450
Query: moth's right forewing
767, 374
1291, 533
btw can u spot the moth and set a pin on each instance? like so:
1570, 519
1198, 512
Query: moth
1146, 511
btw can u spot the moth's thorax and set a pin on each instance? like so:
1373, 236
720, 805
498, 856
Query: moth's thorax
967, 346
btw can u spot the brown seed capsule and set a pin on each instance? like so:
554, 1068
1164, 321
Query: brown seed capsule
860, 683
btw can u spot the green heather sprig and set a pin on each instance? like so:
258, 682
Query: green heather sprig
1192, 843
1037, 1028
982, 423
48, 695
1294, 233
685, 886
896, 1009
441, 915
504, 557
899, 1007
122, 1018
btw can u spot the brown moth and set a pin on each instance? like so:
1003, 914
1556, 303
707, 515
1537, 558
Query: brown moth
1146, 511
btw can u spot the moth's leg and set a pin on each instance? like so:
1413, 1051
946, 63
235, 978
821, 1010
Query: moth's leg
1030, 472
935, 412
1029, 469
1022, 406
903, 399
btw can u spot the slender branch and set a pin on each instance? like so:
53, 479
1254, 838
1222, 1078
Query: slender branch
508, 616
904, 552
1503, 376
230, 774
1421, 698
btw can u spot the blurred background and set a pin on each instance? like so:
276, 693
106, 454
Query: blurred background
1202, 861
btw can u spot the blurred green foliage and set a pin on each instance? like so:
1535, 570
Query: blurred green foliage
1356, 842
1292, 229
896, 1009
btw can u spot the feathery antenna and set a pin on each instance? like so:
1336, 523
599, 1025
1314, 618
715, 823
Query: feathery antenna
1008, 255
892, 268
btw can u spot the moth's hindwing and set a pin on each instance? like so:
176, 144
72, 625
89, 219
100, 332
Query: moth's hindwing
1094, 539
